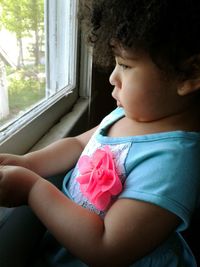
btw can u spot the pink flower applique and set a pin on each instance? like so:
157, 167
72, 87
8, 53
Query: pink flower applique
98, 178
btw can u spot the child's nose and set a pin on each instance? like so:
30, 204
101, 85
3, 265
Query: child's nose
111, 78
114, 79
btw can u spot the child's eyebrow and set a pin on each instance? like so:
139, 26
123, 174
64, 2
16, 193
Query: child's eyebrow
124, 55
118, 51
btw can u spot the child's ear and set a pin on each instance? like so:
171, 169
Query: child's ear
188, 87
191, 82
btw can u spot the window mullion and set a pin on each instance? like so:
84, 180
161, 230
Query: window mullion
51, 51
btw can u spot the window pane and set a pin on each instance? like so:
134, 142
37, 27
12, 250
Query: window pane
38, 56
22, 56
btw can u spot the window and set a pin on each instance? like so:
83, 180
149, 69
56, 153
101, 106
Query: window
38, 55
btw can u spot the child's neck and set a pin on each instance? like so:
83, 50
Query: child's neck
188, 120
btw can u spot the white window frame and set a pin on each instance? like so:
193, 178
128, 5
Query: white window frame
19, 140
59, 71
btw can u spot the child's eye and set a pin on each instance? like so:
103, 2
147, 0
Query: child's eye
123, 66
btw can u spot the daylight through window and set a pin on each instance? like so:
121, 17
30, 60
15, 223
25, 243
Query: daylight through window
37, 56
22, 56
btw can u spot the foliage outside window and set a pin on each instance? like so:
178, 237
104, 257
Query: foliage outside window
22, 71
38, 59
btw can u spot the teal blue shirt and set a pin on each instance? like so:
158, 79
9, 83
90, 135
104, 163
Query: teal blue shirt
160, 168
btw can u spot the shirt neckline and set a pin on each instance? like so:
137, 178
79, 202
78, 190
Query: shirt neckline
118, 113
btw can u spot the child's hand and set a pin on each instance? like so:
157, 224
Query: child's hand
14, 160
15, 185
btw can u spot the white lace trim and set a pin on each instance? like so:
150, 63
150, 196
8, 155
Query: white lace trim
119, 151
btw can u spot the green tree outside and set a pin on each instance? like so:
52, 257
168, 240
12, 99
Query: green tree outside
23, 17
26, 85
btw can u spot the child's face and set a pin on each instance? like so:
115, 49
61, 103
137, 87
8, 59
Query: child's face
142, 89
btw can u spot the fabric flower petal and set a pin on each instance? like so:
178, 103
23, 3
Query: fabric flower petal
98, 178
85, 165
102, 201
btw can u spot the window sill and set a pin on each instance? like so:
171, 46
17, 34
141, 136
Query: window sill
24, 138
73, 123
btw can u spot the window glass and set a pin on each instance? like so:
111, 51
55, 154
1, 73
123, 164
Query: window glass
38, 53
22, 56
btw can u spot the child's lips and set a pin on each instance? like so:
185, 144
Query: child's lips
118, 103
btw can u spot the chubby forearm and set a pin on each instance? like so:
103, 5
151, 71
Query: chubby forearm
76, 228
59, 156
55, 158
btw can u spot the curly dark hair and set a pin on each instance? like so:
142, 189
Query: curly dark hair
168, 30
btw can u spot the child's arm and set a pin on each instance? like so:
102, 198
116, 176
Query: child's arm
53, 159
130, 230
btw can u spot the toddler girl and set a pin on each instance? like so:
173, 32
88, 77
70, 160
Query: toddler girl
133, 183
